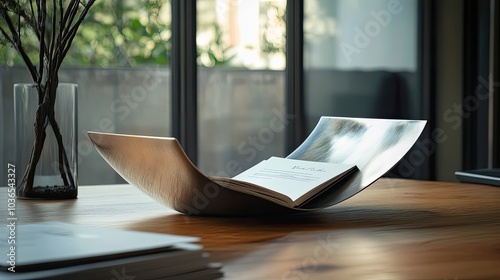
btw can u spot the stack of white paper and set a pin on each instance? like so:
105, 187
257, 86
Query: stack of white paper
53, 250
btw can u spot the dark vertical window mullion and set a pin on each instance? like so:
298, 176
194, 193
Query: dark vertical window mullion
427, 73
470, 70
184, 76
494, 85
476, 70
294, 73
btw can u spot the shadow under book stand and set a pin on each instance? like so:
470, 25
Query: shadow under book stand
159, 167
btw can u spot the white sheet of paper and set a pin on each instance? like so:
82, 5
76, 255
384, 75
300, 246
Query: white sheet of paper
55, 241
291, 177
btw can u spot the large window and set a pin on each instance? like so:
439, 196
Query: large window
241, 88
120, 60
361, 60
264, 72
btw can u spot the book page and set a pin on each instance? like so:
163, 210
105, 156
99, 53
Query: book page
291, 177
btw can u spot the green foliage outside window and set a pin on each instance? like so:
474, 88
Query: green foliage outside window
124, 33
114, 33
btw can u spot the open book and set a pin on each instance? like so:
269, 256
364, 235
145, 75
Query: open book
289, 182
159, 167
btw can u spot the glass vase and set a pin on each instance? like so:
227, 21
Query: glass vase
55, 173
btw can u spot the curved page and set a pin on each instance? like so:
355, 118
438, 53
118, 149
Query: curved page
159, 167
373, 145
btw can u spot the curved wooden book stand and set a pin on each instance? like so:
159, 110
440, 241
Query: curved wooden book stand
159, 167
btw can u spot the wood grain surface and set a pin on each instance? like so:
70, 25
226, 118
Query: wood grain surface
395, 229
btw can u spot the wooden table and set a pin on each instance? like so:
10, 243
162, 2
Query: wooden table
396, 229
